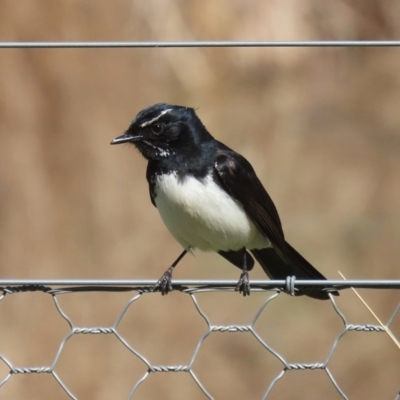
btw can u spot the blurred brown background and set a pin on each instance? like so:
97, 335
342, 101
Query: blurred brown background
321, 127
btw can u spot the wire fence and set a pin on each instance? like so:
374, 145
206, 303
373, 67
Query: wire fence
142, 288
56, 288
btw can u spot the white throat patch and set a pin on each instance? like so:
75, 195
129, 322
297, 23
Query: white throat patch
159, 150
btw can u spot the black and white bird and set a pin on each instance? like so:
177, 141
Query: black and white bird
210, 198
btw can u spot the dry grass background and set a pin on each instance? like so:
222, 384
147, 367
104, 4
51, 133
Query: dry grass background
321, 127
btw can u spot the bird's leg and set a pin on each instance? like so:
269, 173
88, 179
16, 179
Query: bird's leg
243, 285
164, 283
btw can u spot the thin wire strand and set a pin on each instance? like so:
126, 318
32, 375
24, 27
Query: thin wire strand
186, 44
360, 283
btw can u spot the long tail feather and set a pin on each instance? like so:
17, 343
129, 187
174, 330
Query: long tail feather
297, 265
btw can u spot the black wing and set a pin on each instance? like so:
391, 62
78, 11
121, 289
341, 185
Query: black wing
236, 175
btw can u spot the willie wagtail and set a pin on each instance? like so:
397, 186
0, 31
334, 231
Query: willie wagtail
210, 198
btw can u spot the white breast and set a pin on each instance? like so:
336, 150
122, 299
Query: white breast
199, 214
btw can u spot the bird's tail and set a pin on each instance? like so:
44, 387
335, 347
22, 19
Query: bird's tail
296, 265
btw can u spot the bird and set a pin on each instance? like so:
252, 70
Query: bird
210, 199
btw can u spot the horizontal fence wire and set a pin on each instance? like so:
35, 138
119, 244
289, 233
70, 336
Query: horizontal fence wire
280, 285
188, 44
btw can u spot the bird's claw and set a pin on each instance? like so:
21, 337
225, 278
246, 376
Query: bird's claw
164, 284
243, 285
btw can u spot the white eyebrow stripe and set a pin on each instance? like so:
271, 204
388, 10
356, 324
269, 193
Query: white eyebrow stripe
156, 118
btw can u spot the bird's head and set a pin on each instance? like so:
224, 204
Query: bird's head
163, 130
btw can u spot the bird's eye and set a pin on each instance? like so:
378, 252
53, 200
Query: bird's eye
157, 128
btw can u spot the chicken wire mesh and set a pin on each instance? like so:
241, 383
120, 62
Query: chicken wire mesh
192, 289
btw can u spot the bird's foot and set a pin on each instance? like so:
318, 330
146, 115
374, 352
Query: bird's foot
164, 284
243, 285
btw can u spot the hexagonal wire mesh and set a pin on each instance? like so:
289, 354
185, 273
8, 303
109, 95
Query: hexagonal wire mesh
192, 289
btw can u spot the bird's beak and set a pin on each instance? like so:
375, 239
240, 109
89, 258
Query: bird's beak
126, 137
